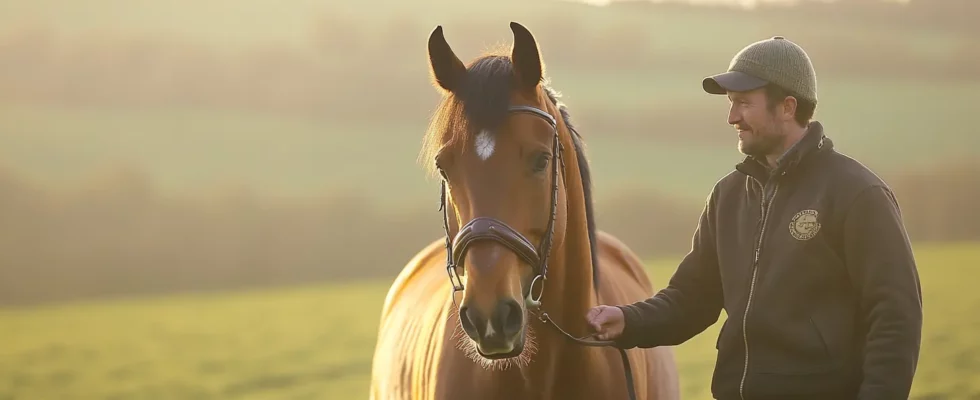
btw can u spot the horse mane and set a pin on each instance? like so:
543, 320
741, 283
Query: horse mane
585, 173
482, 103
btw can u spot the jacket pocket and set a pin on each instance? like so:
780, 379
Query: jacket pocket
797, 347
823, 341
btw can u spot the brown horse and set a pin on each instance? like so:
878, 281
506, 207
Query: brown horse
521, 247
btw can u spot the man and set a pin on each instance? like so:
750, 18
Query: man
802, 246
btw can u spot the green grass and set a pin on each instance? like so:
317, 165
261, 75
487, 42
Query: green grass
317, 342
263, 345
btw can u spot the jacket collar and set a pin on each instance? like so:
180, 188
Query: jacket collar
814, 142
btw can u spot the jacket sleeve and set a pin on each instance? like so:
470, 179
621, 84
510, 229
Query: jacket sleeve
690, 303
879, 259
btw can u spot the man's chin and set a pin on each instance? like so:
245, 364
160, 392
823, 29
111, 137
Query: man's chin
744, 148
749, 149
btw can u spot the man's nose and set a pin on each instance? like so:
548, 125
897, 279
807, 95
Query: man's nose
733, 117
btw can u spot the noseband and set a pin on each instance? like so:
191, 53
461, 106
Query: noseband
486, 228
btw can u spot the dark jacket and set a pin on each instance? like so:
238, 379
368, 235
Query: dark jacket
814, 269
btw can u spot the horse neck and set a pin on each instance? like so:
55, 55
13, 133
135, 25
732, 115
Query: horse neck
570, 282
568, 292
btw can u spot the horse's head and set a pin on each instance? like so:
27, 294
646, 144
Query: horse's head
495, 142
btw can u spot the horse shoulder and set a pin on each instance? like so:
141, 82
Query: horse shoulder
623, 281
410, 332
418, 265
616, 258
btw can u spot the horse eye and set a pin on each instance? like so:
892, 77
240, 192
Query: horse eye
541, 162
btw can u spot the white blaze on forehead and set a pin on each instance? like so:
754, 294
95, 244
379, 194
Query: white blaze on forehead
484, 144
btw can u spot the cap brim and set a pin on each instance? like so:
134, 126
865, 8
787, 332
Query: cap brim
731, 81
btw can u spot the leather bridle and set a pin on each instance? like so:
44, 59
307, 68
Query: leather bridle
486, 228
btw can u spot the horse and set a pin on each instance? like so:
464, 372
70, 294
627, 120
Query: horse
521, 251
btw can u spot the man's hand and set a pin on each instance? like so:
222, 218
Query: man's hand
607, 322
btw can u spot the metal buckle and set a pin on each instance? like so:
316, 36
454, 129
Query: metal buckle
532, 302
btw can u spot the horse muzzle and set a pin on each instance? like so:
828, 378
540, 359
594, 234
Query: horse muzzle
499, 334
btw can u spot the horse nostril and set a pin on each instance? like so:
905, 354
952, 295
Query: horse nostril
470, 321
510, 317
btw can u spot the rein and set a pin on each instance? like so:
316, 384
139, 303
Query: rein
485, 228
597, 343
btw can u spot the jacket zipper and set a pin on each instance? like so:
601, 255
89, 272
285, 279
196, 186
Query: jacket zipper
765, 206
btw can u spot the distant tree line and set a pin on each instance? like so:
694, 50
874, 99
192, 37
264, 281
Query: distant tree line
124, 238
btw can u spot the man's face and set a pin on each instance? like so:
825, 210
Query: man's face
760, 132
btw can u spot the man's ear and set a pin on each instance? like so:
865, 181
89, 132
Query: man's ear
789, 107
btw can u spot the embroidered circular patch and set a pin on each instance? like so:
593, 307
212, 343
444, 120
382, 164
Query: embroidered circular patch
804, 225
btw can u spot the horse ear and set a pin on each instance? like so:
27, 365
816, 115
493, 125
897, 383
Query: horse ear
445, 68
526, 57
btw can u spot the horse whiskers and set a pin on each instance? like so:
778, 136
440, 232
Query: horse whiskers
468, 347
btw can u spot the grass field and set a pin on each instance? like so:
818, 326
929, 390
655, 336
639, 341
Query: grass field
316, 342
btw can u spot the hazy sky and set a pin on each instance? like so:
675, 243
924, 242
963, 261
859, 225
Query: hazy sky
744, 3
